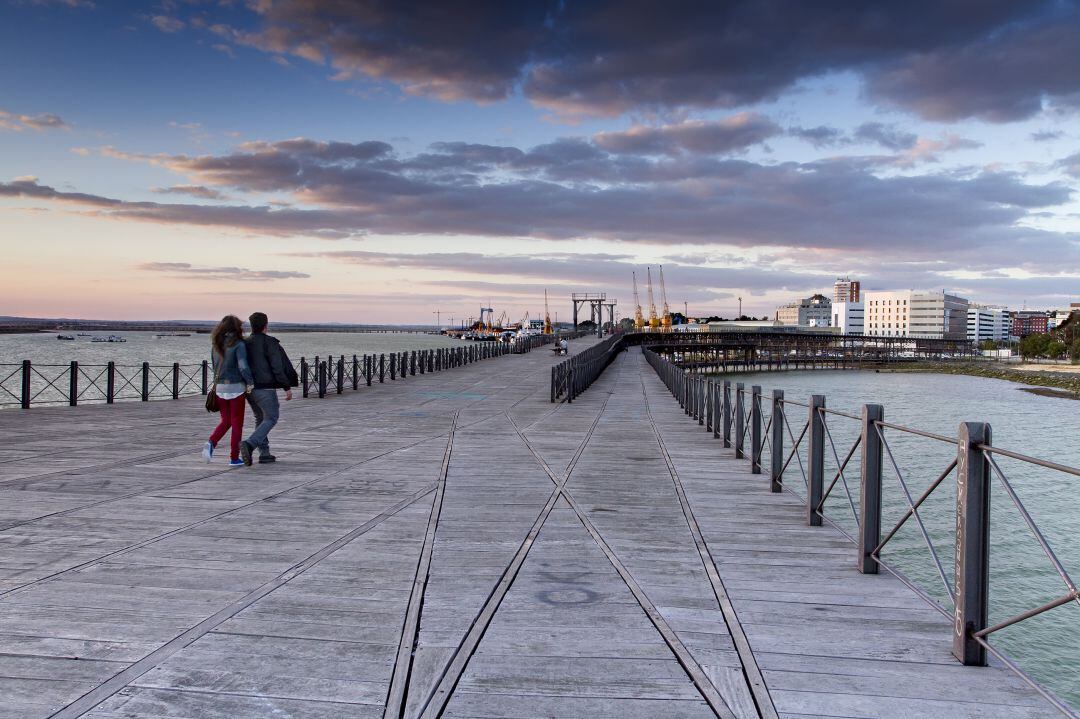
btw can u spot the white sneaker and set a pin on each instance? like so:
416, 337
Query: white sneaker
208, 452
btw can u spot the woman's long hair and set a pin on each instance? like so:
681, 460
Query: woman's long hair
227, 333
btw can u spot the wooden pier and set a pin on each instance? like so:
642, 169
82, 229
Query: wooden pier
450, 545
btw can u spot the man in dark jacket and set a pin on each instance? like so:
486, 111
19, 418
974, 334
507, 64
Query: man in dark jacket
267, 362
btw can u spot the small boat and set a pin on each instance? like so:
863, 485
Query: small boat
99, 339
65, 337
115, 338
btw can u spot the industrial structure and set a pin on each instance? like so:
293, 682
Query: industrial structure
639, 317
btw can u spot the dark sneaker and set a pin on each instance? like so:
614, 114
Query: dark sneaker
267, 459
245, 452
236, 463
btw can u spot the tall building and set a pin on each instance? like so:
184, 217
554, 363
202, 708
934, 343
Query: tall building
931, 315
988, 323
849, 317
815, 311
1030, 322
845, 289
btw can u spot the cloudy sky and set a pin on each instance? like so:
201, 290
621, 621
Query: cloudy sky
374, 161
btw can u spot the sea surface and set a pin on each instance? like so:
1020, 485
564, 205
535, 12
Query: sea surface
51, 358
1021, 575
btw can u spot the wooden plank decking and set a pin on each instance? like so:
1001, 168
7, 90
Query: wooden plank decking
448, 545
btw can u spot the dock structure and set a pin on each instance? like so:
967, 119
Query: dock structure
452, 546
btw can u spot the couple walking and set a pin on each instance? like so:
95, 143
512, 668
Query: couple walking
250, 369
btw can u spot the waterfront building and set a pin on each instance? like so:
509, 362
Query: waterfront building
988, 323
845, 289
849, 317
1030, 322
1060, 316
814, 311
931, 315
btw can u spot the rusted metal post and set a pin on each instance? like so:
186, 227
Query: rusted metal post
355, 372
393, 367
776, 460
73, 384
870, 488
727, 413
304, 383
755, 430
740, 418
145, 381
340, 374
176, 380
972, 577
110, 383
382, 368
815, 470
322, 379
205, 377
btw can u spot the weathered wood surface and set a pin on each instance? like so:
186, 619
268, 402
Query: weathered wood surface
571, 568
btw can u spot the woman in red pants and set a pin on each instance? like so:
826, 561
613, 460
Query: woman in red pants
232, 381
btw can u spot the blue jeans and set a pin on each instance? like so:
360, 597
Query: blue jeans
264, 404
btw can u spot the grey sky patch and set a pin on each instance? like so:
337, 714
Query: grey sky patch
16, 122
186, 270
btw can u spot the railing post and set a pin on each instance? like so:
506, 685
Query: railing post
709, 406
304, 376
393, 366
382, 368
972, 542
870, 487
716, 410
322, 379
727, 413
369, 368
815, 470
755, 430
776, 461
205, 377
340, 373
355, 372
176, 380
145, 381
412, 363
25, 384
73, 384
740, 420
700, 401
110, 383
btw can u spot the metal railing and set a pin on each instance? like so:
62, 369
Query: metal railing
29, 385
573, 375
787, 442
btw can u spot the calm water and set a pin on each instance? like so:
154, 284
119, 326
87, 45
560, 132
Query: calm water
53, 356
1048, 646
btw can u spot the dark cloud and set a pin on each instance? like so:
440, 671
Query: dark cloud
1070, 164
573, 189
888, 136
731, 134
186, 270
1047, 135
820, 136
206, 193
944, 59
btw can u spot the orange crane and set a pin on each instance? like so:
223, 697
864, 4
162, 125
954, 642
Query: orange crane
665, 321
547, 316
639, 319
654, 322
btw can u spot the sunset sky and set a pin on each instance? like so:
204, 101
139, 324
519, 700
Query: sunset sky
376, 161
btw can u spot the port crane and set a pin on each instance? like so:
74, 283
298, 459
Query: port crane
654, 321
665, 320
547, 316
639, 318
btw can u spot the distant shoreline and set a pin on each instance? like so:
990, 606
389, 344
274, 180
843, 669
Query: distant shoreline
1064, 385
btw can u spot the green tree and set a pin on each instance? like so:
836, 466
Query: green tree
1074, 351
1055, 349
988, 345
1034, 345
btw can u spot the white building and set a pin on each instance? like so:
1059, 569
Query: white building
932, 315
848, 317
988, 323
845, 289
815, 311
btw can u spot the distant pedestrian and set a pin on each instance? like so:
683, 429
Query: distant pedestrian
565, 346
273, 371
232, 381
